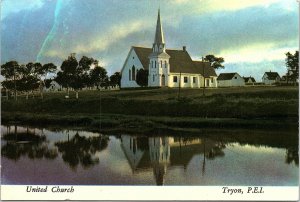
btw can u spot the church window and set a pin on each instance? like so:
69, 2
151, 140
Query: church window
212, 80
153, 78
129, 75
175, 79
165, 64
185, 79
155, 64
133, 73
151, 64
194, 79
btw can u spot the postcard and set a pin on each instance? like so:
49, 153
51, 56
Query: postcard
150, 100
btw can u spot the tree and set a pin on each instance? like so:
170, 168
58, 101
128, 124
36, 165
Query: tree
74, 74
115, 79
60, 79
79, 79
292, 64
47, 83
42, 71
68, 70
98, 75
142, 77
28, 80
216, 62
10, 71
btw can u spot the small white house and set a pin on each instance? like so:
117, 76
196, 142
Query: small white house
249, 80
54, 86
230, 79
270, 78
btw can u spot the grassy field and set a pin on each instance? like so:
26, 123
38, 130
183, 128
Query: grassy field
222, 107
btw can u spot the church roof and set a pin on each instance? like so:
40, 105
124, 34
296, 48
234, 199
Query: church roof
180, 61
159, 35
143, 54
206, 68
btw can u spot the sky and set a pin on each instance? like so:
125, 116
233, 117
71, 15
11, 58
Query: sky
251, 35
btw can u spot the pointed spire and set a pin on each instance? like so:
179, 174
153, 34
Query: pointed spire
159, 35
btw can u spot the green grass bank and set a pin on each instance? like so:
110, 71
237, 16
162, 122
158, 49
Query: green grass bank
274, 107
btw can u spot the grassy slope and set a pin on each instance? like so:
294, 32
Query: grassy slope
161, 108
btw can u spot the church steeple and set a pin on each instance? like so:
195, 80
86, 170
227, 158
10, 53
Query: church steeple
159, 41
159, 35
159, 68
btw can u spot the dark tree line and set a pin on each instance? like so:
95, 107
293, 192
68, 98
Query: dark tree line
25, 78
73, 74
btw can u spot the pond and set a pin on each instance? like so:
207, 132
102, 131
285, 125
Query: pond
74, 157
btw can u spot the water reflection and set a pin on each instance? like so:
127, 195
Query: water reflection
160, 152
83, 157
26, 144
35, 145
292, 155
81, 150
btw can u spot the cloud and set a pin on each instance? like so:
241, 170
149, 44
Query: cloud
210, 6
9, 7
243, 32
113, 35
256, 53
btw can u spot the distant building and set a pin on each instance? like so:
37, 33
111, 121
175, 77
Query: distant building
230, 80
249, 80
166, 67
54, 86
270, 78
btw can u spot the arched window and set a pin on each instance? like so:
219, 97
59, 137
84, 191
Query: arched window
155, 64
165, 64
133, 73
129, 75
151, 64
153, 78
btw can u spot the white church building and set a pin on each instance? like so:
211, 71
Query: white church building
166, 67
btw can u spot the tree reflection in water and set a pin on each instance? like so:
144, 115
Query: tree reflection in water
27, 144
82, 150
291, 156
216, 151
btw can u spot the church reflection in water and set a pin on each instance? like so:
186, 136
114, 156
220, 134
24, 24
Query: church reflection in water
159, 153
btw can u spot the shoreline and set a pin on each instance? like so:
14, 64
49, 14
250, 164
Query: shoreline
144, 124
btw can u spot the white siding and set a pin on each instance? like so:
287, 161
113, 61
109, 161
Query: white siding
237, 80
131, 60
266, 81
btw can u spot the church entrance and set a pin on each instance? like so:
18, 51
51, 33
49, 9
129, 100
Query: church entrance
163, 80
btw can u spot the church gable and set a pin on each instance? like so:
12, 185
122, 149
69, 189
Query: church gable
131, 66
143, 54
